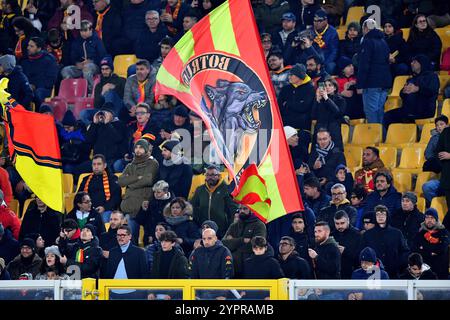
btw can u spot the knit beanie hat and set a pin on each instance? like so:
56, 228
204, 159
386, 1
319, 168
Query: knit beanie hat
143, 143
298, 70
54, 250
211, 224
432, 212
169, 145
355, 25
29, 243
8, 62
69, 119
368, 254
107, 61
411, 196
90, 227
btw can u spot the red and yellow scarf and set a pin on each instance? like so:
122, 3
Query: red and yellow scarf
105, 185
99, 25
18, 51
319, 38
174, 15
141, 91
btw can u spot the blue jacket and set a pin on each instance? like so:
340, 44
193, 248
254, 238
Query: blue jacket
318, 204
41, 70
373, 62
331, 47
392, 200
146, 45
95, 50
9, 247
19, 87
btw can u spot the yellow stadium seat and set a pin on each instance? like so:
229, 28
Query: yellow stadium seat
400, 135
68, 182
345, 131
353, 156
426, 133
440, 205
106, 226
23, 4
26, 204
423, 177
389, 156
68, 201
341, 32
422, 122
197, 180
393, 100
354, 122
354, 14
402, 181
122, 62
141, 236
14, 206
367, 134
411, 160
80, 179
421, 204
446, 107
405, 32
444, 34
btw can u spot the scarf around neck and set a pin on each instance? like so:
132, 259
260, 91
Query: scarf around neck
323, 153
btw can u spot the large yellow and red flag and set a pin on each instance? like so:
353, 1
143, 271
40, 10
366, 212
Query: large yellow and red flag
34, 149
219, 71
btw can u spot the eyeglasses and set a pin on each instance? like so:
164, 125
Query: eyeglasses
282, 244
140, 113
122, 235
337, 194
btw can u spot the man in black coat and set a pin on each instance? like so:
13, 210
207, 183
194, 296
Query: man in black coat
39, 218
417, 269
339, 202
108, 239
296, 99
388, 243
293, 266
325, 157
432, 243
146, 45
315, 197
102, 187
419, 94
18, 85
211, 261
126, 261
384, 194
85, 253
408, 219
326, 256
349, 243
300, 235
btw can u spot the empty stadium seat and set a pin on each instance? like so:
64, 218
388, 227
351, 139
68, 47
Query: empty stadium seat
411, 160
367, 134
402, 181
70, 89
353, 156
425, 135
68, 183
341, 32
421, 204
400, 135
444, 34
389, 156
440, 205
423, 177
354, 14
82, 104
14, 206
393, 100
122, 62
59, 108
345, 132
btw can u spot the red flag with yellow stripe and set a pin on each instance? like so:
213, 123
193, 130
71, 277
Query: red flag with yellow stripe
218, 70
34, 150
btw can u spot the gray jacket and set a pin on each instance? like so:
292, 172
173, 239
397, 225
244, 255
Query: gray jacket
131, 93
430, 151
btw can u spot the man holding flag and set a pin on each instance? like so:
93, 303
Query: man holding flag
218, 70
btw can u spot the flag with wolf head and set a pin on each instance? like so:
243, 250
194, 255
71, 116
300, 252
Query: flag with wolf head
34, 149
218, 70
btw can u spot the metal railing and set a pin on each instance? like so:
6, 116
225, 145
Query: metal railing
41, 290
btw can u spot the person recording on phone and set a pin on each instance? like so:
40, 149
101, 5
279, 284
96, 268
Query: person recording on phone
325, 157
329, 110
302, 48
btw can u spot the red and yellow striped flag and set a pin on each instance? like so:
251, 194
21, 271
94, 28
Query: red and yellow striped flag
218, 70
